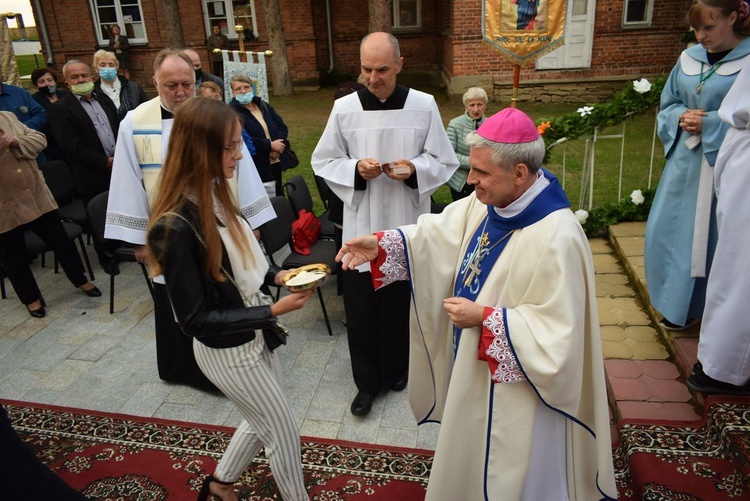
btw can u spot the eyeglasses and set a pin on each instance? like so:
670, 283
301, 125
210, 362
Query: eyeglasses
235, 147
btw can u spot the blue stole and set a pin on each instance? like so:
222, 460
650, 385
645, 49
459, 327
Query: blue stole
498, 228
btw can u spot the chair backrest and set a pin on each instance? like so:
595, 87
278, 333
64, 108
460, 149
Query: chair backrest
59, 180
324, 191
97, 212
277, 233
298, 194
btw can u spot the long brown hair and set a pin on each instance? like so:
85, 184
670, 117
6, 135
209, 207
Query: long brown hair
194, 165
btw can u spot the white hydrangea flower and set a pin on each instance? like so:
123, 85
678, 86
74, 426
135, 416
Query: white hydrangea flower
637, 197
582, 216
586, 110
641, 86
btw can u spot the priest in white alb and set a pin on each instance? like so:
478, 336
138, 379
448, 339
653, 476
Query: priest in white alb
141, 148
505, 347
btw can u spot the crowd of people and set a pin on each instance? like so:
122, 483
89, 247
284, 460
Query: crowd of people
486, 311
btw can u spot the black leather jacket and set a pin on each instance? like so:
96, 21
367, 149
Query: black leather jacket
211, 311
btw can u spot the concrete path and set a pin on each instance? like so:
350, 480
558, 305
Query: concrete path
81, 356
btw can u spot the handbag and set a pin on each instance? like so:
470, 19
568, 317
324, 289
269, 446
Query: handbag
291, 155
276, 333
305, 232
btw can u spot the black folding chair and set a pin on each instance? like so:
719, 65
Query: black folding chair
300, 198
277, 233
97, 211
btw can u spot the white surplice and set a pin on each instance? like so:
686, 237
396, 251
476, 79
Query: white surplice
724, 347
413, 133
128, 208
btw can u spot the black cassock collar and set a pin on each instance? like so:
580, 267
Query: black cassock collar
396, 101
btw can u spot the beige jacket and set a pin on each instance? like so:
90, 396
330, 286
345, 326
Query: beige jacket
24, 195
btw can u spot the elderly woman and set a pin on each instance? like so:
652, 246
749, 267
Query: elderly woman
125, 94
28, 205
48, 92
119, 44
475, 102
266, 129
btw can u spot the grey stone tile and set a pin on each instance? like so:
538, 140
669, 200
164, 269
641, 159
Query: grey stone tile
319, 429
428, 436
329, 402
186, 395
397, 436
178, 412
397, 413
315, 354
15, 384
146, 400
64, 375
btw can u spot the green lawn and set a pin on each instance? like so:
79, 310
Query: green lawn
27, 63
306, 113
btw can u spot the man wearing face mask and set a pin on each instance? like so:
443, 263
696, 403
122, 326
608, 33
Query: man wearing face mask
85, 125
203, 76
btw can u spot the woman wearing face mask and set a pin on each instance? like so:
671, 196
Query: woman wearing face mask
125, 94
266, 129
48, 92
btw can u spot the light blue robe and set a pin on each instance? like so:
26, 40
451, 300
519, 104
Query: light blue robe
669, 230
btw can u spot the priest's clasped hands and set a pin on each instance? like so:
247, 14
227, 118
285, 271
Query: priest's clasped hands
369, 168
363, 249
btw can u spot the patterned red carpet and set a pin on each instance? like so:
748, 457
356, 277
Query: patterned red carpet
708, 460
110, 456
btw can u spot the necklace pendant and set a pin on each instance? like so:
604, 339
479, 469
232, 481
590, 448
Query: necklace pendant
699, 88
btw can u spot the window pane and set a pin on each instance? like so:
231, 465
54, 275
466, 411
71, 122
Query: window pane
243, 14
407, 13
636, 11
580, 7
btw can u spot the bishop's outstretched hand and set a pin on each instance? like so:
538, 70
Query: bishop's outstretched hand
358, 250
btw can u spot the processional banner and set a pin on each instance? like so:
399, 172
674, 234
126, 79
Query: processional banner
523, 30
254, 68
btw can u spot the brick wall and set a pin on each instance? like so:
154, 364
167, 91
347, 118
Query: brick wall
449, 43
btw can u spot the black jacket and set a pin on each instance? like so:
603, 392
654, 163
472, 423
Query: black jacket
131, 95
277, 129
76, 135
213, 312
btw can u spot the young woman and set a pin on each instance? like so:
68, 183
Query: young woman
681, 228
214, 267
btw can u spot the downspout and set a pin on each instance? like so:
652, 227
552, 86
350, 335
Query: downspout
43, 34
330, 37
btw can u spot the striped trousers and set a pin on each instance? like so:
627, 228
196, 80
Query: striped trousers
250, 376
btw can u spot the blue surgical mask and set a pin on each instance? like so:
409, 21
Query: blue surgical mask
245, 98
108, 74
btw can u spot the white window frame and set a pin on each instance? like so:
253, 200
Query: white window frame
94, 4
229, 11
397, 21
637, 24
